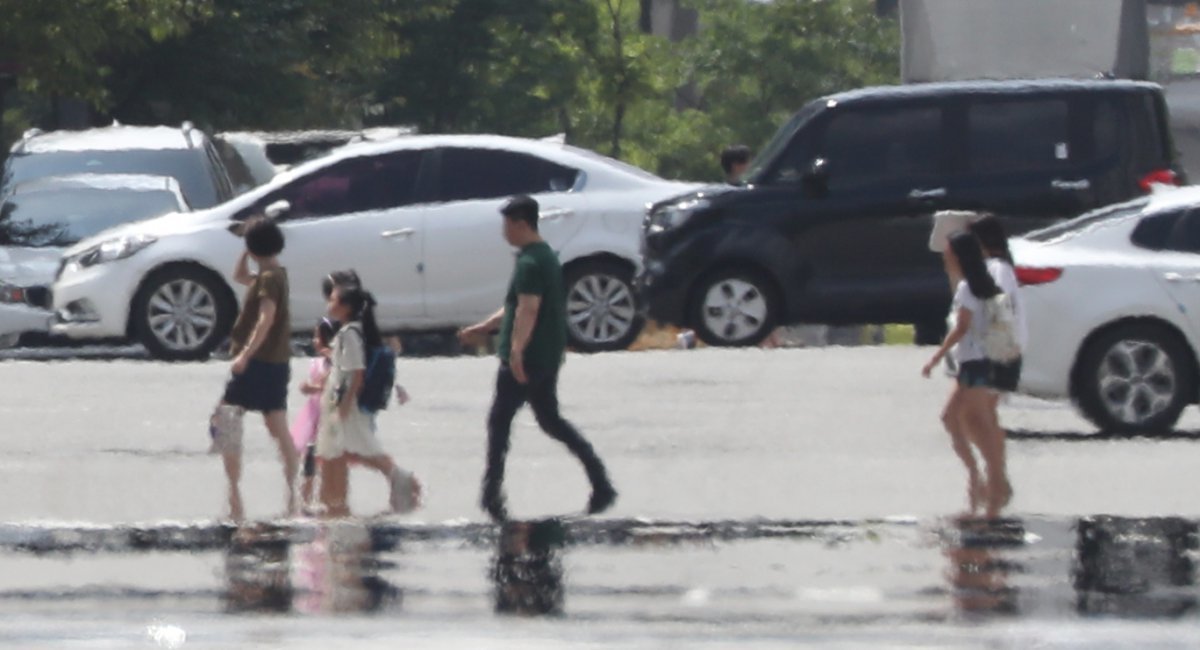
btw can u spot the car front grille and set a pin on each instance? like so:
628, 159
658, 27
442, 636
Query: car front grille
38, 297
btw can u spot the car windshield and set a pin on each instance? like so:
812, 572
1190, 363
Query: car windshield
1088, 221
64, 216
184, 165
780, 141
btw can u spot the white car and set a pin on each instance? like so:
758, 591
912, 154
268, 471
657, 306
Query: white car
1112, 301
41, 217
417, 217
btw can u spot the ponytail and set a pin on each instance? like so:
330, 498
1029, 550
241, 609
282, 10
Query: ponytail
371, 335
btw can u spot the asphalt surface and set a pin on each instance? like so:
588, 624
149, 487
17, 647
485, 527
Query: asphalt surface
832, 459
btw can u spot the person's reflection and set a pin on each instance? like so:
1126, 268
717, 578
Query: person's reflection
979, 568
527, 570
1135, 567
256, 570
337, 572
333, 573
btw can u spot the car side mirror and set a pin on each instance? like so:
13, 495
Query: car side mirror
277, 209
815, 180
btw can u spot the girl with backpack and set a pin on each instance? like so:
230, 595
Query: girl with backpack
347, 432
969, 413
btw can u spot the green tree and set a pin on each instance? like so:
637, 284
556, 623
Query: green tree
256, 64
753, 64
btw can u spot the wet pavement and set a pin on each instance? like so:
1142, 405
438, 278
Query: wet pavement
768, 499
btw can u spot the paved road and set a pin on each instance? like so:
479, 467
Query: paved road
817, 433
846, 434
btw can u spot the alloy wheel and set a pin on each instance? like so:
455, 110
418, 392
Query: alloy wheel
735, 309
1137, 381
182, 314
600, 308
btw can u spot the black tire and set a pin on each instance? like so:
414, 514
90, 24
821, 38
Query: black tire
748, 312
929, 332
602, 309
1134, 379
205, 320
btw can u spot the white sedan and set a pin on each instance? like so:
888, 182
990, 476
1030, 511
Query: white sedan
1112, 301
417, 217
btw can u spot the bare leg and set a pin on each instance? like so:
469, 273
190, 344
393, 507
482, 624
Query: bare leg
334, 486
953, 420
233, 471
276, 422
984, 429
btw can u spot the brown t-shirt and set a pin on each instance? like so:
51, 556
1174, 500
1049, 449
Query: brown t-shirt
269, 284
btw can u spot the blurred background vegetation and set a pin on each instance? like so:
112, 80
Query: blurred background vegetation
590, 69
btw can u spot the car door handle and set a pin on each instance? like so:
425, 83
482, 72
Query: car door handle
935, 193
1171, 276
402, 233
555, 213
1081, 184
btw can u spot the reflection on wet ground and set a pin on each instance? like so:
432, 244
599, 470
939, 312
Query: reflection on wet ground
748, 577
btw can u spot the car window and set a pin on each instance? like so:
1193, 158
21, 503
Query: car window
1018, 135
1184, 235
1155, 230
867, 147
1150, 148
1105, 132
353, 185
66, 215
187, 166
492, 173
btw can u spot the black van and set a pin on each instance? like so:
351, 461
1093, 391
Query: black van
832, 220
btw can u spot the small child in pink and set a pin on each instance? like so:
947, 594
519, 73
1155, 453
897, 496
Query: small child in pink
304, 427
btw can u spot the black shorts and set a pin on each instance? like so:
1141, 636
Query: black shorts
262, 387
1006, 376
975, 374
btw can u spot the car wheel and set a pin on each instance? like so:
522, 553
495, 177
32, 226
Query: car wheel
734, 307
181, 313
602, 312
1134, 379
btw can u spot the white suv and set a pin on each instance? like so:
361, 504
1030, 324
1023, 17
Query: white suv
418, 219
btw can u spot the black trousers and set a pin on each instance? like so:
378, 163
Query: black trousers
541, 392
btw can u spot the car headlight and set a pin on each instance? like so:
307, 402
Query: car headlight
111, 250
675, 215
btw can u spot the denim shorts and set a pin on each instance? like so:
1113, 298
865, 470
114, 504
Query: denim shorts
262, 387
975, 374
1006, 376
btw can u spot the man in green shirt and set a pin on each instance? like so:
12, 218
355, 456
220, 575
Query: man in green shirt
533, 340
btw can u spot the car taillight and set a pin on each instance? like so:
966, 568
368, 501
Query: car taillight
1158, 177
1028, 275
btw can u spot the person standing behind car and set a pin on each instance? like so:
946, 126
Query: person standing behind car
533, 339
261, 349
734, 160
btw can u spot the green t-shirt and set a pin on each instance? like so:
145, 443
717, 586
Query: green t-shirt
538, 273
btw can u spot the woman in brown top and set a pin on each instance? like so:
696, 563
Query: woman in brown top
261, 350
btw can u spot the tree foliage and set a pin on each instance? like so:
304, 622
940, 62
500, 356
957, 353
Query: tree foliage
528, 67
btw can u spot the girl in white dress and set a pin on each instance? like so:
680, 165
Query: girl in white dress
347, 433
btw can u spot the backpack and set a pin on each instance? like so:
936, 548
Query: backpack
379, 377
378, 380
1000, 339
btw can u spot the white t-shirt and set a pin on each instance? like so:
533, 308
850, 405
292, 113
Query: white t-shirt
1006, 279
970, 346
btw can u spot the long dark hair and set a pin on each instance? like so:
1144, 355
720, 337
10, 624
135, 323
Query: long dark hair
362, 309
991, 235
974, 269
